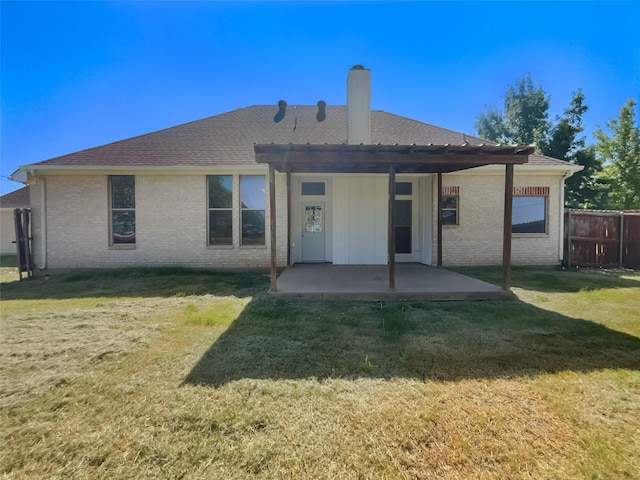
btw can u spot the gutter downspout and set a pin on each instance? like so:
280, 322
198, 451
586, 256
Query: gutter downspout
566, 175
43, 224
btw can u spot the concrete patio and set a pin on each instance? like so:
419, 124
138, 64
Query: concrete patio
371, 282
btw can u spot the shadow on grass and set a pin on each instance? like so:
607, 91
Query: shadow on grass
136, 282
555, 280
278, 339
8, 260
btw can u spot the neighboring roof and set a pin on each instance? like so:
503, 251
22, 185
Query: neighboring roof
228, 139
17, 199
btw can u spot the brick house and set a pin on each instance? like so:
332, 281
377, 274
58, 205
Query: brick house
198, 194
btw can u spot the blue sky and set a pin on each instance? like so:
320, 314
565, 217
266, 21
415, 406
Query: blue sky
80, 74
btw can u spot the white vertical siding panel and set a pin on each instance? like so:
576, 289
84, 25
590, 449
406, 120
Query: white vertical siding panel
341, 220
381, 233
354, 228
360, 235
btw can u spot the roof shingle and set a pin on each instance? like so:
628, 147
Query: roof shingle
227, 139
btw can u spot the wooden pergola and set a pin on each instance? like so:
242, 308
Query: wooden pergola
391, 160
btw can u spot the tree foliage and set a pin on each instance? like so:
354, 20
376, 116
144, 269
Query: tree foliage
619, 152
583, 189
524, 119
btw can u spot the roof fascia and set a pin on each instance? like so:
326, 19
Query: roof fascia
569, 169
26, 170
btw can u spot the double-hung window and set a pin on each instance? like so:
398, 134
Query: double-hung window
220, 189
529, 214
252, 209
450, 210
122, 189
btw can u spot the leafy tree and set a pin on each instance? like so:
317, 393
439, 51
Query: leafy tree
620, 155
583, 189
586, 189
524, 119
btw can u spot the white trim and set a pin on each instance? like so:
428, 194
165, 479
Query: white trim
43, 225
522, 169
125, 170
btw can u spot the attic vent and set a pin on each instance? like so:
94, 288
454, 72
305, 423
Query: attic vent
321, 115
282, 109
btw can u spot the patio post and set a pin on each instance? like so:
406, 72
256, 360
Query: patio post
506, 240
272, 222
288, 219
439, 220
392, 228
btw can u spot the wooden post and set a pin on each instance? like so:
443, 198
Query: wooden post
621, 236
439, 264
272, 221
568, 228
506, 240
288, 219
392, 228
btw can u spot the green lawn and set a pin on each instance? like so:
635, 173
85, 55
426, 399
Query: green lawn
175, 373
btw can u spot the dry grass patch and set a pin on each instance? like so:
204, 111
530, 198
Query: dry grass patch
497, 429
212, 379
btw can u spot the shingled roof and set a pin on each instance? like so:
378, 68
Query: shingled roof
17, 199
228, 139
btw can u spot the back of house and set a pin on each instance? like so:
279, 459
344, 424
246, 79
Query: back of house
197, 194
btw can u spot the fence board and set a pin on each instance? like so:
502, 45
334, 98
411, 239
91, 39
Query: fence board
631, 241
593, 238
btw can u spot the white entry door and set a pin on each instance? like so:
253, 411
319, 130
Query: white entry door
313, 217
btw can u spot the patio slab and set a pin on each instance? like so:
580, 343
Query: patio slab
371, 282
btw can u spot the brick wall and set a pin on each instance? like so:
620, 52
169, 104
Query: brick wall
171, 224
477, 240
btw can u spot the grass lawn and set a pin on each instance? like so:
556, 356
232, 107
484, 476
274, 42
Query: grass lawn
175, 373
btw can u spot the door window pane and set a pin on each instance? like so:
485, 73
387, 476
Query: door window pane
312, 188
404, 188
403, 212
403, 239
313, 219
403, 216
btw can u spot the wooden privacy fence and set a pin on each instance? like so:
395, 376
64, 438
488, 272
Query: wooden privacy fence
595, 238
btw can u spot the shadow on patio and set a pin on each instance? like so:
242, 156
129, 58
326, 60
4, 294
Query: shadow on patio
283, 339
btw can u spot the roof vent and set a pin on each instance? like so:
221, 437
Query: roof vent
321, 115
282, 109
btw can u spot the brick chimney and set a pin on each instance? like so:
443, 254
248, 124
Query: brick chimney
359, 106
